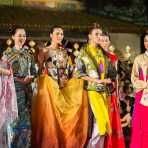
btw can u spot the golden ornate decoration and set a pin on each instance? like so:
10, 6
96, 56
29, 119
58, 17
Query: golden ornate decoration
32, 44
9, 43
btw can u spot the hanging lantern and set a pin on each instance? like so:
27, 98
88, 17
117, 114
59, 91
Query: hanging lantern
76, 47
32, 44
127, 53
111, 48
9, 43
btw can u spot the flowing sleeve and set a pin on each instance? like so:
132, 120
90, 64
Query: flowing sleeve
41, 59
80, 69
11, 100
8, 99
135, 76
5, 55
33, 68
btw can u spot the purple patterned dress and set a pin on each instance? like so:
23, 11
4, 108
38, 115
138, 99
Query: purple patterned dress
8, 104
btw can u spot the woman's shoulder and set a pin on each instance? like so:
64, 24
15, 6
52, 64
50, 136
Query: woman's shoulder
45, 50
83, 48
138, 58
3, 64
8, 51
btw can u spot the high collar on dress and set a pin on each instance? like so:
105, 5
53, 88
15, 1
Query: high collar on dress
146, 52
93, 50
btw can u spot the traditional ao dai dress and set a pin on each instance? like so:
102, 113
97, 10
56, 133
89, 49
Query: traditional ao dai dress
23, 65
139, 138
95, 68
116, 138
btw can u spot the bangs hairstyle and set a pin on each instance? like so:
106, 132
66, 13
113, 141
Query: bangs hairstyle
14, 28
94, 26
54, 27
106, 34
145, 34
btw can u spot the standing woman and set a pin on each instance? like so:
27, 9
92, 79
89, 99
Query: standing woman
8, 102
92, 68
139, 79
23, 71
60, 108
116, 138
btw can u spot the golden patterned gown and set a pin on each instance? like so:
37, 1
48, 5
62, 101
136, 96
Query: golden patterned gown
60, 107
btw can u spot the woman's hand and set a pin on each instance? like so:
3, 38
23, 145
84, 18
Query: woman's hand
25, 80
98, 81
126, 120
28, 79
4, 71
105, 81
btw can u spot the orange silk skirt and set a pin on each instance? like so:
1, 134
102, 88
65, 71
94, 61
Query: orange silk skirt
59, 116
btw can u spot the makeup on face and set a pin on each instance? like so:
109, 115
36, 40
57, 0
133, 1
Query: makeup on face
104, 41
20, 36
57, 35
95, 35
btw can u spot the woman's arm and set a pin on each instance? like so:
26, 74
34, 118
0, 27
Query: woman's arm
90, 79
81, 72
137, 83
4, 71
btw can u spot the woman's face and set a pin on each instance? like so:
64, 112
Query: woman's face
104, 42
95, 35
146, 42
57, 35
19, 37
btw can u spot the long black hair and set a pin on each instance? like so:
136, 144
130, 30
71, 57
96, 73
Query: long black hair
143, 49
14, 29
